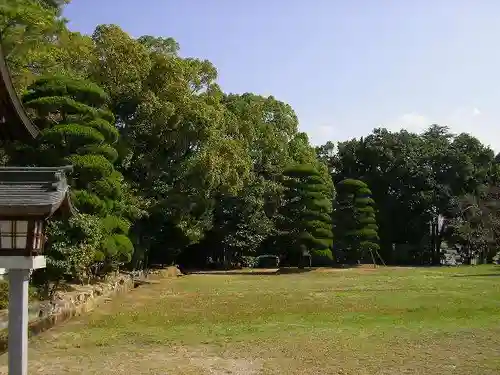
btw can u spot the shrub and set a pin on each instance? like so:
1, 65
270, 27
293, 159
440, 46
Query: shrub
57, 104
110, 132
267, 261
90, 167
249, 261
110, 187
322, 258
105, 150
115, 225
71, 136
87, 202
81, 91
109, 248
125, 248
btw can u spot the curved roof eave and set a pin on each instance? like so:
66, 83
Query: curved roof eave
6, 84
65, 206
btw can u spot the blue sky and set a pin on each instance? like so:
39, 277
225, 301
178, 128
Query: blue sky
345, 66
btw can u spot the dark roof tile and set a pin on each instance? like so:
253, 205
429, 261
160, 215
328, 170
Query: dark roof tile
33, 191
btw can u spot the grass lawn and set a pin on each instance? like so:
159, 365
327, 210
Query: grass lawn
385, 321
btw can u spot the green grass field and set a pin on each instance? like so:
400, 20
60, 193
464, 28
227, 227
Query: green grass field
363, 321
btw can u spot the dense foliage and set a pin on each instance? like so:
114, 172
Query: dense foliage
305, 222
78, 129
355, 224
170, 169
414, 178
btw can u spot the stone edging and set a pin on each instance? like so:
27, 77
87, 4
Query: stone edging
65, 306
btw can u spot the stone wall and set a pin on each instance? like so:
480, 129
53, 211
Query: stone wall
83, 298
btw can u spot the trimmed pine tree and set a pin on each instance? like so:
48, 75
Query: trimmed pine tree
305, 216
78, 129
354, 222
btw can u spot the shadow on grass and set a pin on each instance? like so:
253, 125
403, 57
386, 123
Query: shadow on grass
292, 270
494, 272
480, 275
253, 272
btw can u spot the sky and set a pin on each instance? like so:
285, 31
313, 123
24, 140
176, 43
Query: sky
345, 66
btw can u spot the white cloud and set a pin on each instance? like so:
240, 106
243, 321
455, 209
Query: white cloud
320, 134
413, 122
473, 120
325, 130
462, 120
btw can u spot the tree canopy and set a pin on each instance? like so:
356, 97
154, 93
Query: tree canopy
305, 221
355, 223
169, 168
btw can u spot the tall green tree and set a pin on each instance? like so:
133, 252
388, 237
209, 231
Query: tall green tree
475, 228
77, 129
244, 221
209, 165
305, 222
180, 147
240, 225
355, 224
413, 177
36, 41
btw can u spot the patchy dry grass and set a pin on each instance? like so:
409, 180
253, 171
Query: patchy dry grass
389, 321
